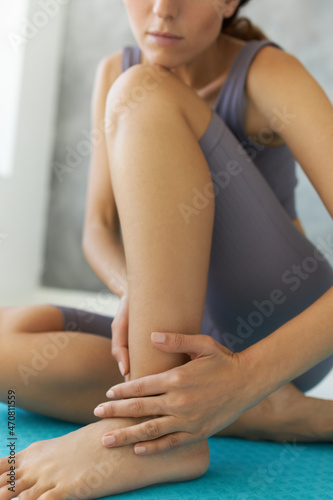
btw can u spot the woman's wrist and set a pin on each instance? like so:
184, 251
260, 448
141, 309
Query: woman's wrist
253, 375
104, 252
261, 379
291, 350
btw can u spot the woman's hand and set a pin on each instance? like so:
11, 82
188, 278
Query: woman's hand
185, 404
119, 328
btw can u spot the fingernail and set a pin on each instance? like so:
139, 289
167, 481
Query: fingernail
139, 450
121, 368
99, 411
110, 394
108, 440
158, 337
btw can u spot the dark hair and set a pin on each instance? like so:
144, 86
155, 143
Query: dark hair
242, 27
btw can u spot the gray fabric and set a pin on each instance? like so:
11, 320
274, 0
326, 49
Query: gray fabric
131, 56
80, 320
263, 271
277, 165
95, 29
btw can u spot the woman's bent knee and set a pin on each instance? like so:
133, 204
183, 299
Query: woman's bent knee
137, 86
34, 318
144, 89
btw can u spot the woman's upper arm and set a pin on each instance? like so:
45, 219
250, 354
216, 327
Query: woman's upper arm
296, 108
100, 205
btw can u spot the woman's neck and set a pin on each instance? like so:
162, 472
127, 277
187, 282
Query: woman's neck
206, 67
208, 71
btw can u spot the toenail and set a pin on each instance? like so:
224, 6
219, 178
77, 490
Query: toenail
99, 411
108, 440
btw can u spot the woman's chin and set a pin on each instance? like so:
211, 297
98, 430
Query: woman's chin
158, 58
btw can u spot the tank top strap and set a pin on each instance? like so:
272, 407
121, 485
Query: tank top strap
131, 56
230, 102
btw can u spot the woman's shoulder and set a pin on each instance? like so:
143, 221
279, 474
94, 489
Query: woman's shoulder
271, 69
272, 74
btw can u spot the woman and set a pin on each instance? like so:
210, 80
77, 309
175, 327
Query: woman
208, 247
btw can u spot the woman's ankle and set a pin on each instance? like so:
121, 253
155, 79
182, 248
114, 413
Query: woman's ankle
202, 458
194, 458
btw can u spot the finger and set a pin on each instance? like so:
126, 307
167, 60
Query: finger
164, 443
136, 407
145, 386
120, 349
194, 345
151, 429
122, 357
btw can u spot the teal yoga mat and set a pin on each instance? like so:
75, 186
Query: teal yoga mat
239, 469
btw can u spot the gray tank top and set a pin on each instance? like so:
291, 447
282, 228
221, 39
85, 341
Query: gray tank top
276, 164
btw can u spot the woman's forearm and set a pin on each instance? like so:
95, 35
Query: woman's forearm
292, 349
104, 252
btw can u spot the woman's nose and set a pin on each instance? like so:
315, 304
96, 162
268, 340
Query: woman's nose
166, 8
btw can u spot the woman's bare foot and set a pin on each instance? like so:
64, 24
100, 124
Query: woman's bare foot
78, 466
285, 415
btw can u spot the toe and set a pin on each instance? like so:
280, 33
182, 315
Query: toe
35, 492
53, 494
9, 491
6, 494
3, 465
3, 480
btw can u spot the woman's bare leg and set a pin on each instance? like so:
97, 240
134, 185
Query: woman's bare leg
51, 369
285, 415
84, 369
156, 163
154, 173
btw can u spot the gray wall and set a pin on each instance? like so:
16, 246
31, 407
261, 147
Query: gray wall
96, 28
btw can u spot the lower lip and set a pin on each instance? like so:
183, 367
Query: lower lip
164, 40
